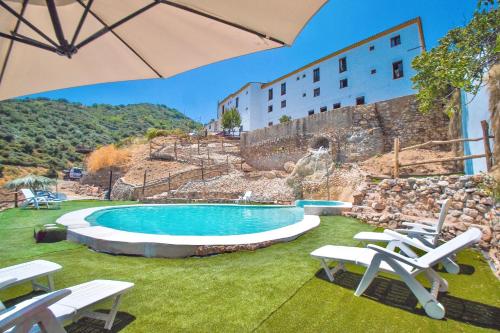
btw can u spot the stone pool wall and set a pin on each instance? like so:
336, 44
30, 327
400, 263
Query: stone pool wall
394, 201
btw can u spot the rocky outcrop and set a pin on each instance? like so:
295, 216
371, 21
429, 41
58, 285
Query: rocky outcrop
393, 201
123, 191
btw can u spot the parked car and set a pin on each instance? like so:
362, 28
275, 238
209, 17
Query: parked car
73, 174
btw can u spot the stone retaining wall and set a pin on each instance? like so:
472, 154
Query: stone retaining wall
354, 133
125, 191
393, 201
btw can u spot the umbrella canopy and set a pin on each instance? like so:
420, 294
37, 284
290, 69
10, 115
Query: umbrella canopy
30, 181
53, 44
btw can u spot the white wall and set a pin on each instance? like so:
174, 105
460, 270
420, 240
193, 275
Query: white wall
360, 61
475, 109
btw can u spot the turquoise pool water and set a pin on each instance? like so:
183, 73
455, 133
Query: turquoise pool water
323, 203
197, 220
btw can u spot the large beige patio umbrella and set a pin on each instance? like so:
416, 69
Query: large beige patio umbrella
52, 44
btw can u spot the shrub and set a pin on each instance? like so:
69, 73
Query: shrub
156, 132
284, 119
107, 156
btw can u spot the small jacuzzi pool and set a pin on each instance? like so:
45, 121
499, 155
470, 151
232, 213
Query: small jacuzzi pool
186, 229
323, 207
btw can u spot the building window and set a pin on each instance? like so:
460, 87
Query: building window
303, 75
310, 112
237, 101
372, 47
223, 109
270, 123
270, 108
336, 106
343, 83
322, 109
360, 100
342, 64
304, 94
270, 94
374, 71
298, 78
397, 69
316, 92
316, 75
395, 41
283, 88
246, 92
283, 103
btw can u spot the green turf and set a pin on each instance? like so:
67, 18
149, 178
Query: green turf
276, 289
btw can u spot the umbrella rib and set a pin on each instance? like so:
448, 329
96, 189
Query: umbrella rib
220, 20
110, 29
54, 17
80, 24
11, 44
28, 23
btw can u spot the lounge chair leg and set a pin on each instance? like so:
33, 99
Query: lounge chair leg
450, 266
331, 272
50, 279
369, 275
431, 305
113, 312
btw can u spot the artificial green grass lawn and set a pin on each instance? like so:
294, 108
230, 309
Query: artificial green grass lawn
276, 289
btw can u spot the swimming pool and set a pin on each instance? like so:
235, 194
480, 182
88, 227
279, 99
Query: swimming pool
184, 230
197, 220
323, 207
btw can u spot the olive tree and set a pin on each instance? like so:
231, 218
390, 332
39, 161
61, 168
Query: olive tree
231, 119
460, 60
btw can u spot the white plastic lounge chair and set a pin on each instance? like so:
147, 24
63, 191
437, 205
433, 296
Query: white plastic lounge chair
36, 201
425, 233
22, 317
377, 259
80, 301
246, 197
30, 271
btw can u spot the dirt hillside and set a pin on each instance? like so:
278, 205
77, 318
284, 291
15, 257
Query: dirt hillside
383, 164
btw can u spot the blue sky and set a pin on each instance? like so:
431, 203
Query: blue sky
338, 24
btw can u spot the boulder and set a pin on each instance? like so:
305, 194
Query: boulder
289, 166
246, 167
269, 174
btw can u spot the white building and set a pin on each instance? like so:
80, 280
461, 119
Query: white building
375, 69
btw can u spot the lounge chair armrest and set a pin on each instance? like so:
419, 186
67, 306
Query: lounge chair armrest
417, 232
6, 281
408, 241
419, 225
17, 314
397, 256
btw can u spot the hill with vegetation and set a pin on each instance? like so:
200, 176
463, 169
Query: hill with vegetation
45, 133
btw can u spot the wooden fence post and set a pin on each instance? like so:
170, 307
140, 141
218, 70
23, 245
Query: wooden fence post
486, 141
175, 149
16, 198
150, 149
222, 143
169, 181
396, 158
144, 183
198, 146
110, 183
